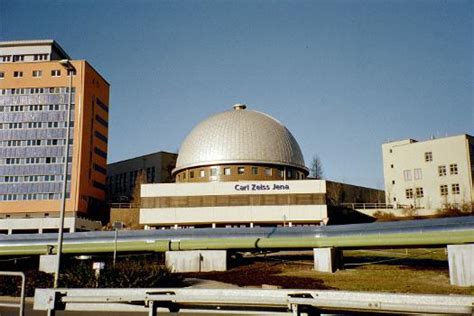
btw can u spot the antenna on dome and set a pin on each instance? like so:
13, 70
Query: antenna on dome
239, 106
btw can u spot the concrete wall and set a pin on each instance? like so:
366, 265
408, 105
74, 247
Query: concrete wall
196, 260
338, 193
297, 211
17, 225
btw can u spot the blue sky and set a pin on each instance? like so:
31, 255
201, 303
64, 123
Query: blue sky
343, 76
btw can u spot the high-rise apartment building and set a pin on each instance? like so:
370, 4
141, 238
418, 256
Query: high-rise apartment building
34, 91
429, 174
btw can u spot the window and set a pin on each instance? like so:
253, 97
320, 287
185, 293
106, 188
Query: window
214, 171
441, 171
391, 166
393, 181
2, 75
409, 193
55, 73
419, 192
391, 151
268, 172
18, 58
443, 190
407, 175
227, 171
455, 188
101, 153
101, 137
101, 121
37, 73
241, 170
428, 156
453, 168
191, 174
289, 174
255, 171
418, 174
40, 57
202, 173
18, 74
73, 72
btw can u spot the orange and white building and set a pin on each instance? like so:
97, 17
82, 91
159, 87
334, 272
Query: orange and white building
34, 90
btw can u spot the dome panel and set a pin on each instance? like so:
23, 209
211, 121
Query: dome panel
239, 136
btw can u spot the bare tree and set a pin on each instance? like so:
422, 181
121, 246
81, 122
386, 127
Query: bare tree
139, 180
316, 170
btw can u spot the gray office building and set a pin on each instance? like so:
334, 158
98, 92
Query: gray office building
122, 176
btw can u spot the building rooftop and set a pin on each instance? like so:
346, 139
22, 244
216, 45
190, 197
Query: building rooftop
45, 42
433, 138
240, 136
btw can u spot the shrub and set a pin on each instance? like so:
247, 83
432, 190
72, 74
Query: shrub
384, 216
130, 274
450, 210
10, 286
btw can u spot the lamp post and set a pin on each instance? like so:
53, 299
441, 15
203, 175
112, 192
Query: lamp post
70, 69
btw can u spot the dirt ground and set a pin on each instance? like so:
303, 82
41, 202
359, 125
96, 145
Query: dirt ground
397, 271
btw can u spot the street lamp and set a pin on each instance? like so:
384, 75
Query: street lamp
70, 69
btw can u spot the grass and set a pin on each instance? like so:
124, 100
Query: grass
396, 271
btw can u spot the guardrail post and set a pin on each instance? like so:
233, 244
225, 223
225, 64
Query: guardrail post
151, 308
21, 305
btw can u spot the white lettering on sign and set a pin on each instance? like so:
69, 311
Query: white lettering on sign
261, 187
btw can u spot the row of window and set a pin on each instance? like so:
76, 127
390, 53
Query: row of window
16, 58
34, 142
227, 171
417, 173
35, 125
32, 160
453, 169
37, 73
35, 107
455, 189
33, 178
120, 182
418, 191
25, 91
32, 196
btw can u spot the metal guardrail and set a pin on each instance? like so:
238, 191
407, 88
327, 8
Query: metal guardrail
296, 302
124, 205
21, 305
366, 206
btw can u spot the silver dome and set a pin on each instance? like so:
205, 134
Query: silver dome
240, 136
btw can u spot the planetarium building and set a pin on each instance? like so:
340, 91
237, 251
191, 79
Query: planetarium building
239, 145
236, 168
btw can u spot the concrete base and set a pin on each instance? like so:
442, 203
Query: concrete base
328, 259
461, 264
196, 260
47, 263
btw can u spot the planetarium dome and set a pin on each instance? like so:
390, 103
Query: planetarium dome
239, 144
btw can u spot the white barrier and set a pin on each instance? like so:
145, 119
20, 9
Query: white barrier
297, 302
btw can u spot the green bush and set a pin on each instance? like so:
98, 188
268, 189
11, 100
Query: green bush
130, 274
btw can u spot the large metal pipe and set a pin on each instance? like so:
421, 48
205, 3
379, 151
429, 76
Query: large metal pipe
435, 232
